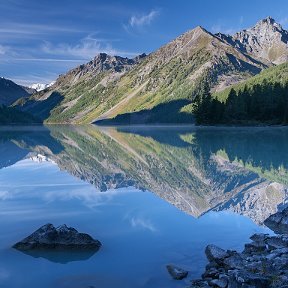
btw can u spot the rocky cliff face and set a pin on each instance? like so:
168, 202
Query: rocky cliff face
101, 63
267, 41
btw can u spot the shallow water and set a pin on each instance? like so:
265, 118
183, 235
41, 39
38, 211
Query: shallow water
151, 195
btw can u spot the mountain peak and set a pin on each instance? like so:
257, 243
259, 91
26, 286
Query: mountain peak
199, 30
267, 41
267, 23
268, 20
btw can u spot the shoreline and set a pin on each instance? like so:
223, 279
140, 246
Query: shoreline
262, 264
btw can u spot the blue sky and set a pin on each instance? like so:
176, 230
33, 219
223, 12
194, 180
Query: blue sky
41, 39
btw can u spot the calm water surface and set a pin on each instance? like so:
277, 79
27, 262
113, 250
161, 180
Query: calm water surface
151, 195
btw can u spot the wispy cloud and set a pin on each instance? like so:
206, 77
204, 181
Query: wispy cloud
30, 79
4, 195
87, 48
241, 20
142, 20
49, 60
3, 49
222, 27
137, 222
34, 29
139, 21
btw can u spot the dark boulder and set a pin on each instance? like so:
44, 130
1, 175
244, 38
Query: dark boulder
61, 238
176, 272
215, 253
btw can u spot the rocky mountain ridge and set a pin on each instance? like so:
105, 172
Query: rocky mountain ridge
109, 86
267, 41
101, 63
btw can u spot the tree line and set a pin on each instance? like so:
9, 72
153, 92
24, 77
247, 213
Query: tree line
265, 103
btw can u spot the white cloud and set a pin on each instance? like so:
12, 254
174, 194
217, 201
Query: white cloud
219, 28
142, 20
142, 223
241, 20
3, 50
4, 195
87, 48
49, 60
16, 29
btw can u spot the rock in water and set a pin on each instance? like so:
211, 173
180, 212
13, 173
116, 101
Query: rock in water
215, 253
176, 272
262, 264
278, 222
61, 238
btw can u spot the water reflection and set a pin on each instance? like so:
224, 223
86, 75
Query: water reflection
202, 171
196, 169
60, 257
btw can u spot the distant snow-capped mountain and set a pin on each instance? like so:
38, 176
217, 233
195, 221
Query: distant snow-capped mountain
40, 158
40, 86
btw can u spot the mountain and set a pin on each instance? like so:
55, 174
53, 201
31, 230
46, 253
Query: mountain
159, 87
73, 95
40, 86
10, 91
266, 41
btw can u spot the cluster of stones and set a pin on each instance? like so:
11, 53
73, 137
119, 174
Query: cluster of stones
263, 263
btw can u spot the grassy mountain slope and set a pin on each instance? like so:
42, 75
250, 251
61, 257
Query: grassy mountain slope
177, 71
174, 72
276, 74
263, 99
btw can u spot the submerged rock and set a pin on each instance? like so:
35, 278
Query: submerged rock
61, 238
176, 272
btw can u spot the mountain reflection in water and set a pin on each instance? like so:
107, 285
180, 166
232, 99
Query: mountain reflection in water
196, 169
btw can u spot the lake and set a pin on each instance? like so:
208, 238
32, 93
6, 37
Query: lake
152, 196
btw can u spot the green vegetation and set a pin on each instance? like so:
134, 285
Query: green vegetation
9, 115
276, 74
263, 99
157, 82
